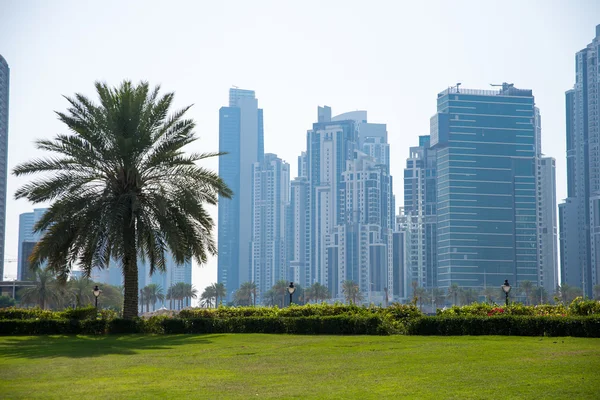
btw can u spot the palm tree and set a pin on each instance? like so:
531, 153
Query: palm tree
468, 295
491, 294
351, 292
219, 292
453, 292
246, 294
190, 292
439, 296
208, 295
596, 290
421, 295
81, 289
44, 291
280, 288
319, 292
270, 297
153, 293
122, 187
527, 287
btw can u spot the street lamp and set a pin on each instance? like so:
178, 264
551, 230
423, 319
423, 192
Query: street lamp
506, 289
291, 289
96, 292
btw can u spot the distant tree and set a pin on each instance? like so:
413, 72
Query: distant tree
421, 295
244, 296
491, 294
280, 288
46, 289
318, 292
468, 296
567, 293
153, 293
453, 292
439, 296
82, 290
596, 290
219, 292
207, 296
527, 287
270, 298
6, 301
351, 292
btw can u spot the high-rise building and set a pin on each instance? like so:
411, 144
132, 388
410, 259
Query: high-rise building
419, 215
580, 213
4, 96
270, 201
359, 243
241, 137
486, 143
547, 225
27, 241
329, 145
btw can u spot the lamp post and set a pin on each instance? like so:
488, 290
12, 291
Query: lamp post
506, 288
96, 292
291, 289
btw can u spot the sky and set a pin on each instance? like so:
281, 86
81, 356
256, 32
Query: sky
390, 58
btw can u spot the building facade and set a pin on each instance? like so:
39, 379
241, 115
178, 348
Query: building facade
4, 99
418, 216
241, 137
486, 186
547, 225
270, 202
27, 241
580, 212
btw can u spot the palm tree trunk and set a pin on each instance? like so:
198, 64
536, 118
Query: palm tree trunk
130, 272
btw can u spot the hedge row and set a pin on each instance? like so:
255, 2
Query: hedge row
38, 313
332, 325
506, 325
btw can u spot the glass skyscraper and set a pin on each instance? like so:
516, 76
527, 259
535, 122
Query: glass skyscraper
579, 215
27, 241
4, 94
486, 191
241, 137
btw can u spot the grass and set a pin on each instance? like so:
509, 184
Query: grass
282, 366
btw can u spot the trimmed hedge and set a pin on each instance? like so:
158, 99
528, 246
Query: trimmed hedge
332, 325
506, 325
38, 313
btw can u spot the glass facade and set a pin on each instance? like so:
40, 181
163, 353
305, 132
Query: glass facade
4, 95
486, 187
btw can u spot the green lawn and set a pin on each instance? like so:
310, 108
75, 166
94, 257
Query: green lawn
281, 366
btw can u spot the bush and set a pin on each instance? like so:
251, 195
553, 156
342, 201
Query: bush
506, 325
79, 313
584, 307
27, 313
124, 326
39, 327
6, 301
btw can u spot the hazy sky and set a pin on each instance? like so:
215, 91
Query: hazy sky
388, 57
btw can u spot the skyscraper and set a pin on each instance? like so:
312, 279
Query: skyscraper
4, 96
241, 136
580, 213
486, 186
270, 202
547, 225
419, 215
27, 241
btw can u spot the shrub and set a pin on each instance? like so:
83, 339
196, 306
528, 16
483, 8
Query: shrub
27, 313
123, 326
39, 327
506, 325
79, 313
584, 307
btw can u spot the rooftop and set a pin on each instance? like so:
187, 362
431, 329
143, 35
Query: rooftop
507, 89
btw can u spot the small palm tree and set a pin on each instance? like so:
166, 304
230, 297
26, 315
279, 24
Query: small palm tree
219, 292
439, 296
421, 294
351, 292
121, 187
246, 294
468, 295
207, 296
280, 287
81, 289
46, 289
319, 292
453, 292
491, 294
527, 287
596, 290
190, 293
270, 298
153, 293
